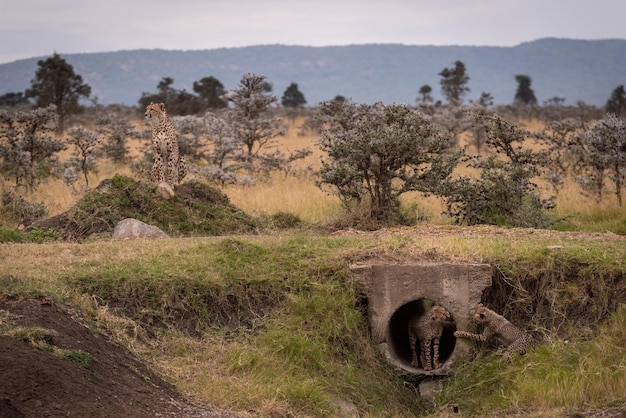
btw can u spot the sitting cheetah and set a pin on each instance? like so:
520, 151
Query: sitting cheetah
498, 327
428, 328
169, 166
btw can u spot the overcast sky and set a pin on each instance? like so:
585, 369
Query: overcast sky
33, 28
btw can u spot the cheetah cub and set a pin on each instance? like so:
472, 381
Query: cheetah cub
499, 328
428, 328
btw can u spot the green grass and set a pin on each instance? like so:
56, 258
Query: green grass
276, 325
560, 374
43, 339
79, 357
36, 235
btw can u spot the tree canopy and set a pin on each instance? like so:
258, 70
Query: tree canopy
211, 91
178, 102
378, 152
56, 83
28, 150
252, 124
425, 94
617, 102
524, 94
454, 83
293, 97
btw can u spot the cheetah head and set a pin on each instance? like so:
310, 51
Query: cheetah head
154, 110
480, 314
439, 314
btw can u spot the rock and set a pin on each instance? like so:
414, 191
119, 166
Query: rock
165, 191
428, 390
132, 228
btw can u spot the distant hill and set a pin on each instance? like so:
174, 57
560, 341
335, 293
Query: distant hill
576, 70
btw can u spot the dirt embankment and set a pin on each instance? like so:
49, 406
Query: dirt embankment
37, 383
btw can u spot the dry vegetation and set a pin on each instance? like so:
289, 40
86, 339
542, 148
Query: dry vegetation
297, 192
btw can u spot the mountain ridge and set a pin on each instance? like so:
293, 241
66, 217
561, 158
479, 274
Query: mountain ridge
577, 70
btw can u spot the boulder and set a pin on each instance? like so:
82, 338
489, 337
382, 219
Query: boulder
130, 228
165, 191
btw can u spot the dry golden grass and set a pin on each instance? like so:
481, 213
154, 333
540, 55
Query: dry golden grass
291, 193
298, 193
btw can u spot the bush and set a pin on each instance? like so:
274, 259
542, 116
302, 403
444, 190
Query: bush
504, 193
16, 208
378, 152
285, 220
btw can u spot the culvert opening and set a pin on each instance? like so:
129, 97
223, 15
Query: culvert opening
398, 343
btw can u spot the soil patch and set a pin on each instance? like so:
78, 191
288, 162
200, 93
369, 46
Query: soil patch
37, 383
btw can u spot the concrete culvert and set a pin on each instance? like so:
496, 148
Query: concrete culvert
396, 292
398, 342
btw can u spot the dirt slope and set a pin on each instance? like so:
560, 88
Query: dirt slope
36, 383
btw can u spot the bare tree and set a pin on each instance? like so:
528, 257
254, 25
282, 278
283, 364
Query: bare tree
85, 144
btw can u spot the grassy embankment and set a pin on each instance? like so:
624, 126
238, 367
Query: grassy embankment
274, 325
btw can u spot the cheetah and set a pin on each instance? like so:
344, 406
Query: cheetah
165, 145
499, 328
428, 329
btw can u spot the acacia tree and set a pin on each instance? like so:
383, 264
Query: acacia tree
557, 139
617, 102
524, 94
251, 121
85, 143
378, 152
178, 102
243, 138
28, 151
293, 97
223, 160
485, 99
454, 83
56, 83
600, 152
13, 99
165, 94
211, 91
504, 192
478, 136
115, 130
425, 96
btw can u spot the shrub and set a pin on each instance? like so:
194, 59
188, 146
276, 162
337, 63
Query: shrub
378, 152
18, 209
504, 193
599, 152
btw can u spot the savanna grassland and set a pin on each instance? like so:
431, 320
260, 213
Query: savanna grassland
272, 323
298, 193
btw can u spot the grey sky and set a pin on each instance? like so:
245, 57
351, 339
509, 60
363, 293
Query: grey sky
30, 28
